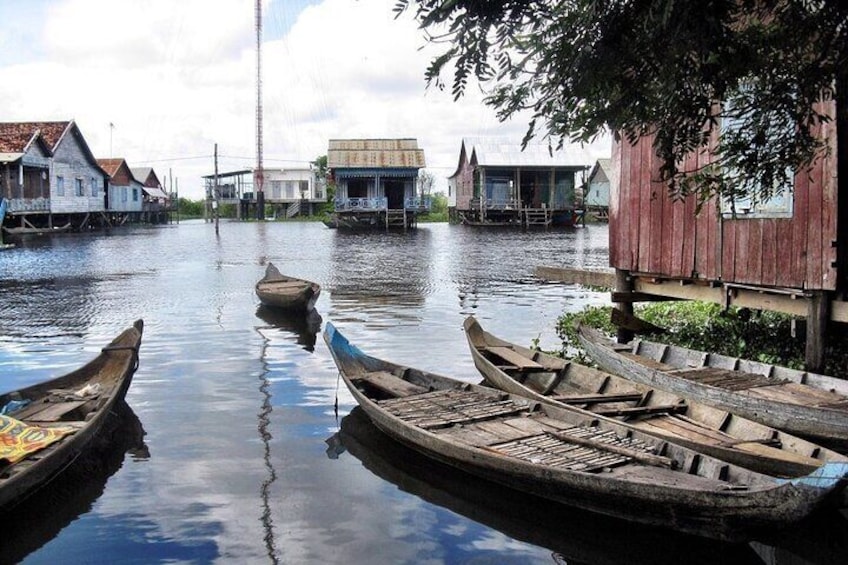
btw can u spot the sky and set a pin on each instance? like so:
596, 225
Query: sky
160, 83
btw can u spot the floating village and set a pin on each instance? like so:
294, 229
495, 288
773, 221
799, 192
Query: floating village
655, 435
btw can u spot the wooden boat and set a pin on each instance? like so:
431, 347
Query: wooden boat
28, 527
34, 230
287, 293
51, 423
806, 404
521, 516
574, 457
710, 430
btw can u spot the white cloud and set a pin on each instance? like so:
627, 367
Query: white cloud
177, 77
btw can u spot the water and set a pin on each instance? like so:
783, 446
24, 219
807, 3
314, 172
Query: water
243, 458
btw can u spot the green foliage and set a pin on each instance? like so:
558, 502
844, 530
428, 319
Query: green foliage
759, 335
190, 208
657, 68
438, 209
325, 208
593, 316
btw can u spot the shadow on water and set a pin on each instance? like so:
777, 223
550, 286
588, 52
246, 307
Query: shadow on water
38, 519
573, 536
304, 327
821, 540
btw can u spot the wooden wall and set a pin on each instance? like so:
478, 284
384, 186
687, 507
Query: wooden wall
651, 233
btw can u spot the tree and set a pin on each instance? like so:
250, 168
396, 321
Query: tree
755, 77
323, 175
426, 182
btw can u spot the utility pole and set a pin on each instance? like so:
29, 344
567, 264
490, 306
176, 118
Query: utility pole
259, 175
217, 193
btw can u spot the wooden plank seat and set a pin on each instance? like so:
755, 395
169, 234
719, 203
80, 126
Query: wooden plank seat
643, 410
54, 411
514, 358
597, 398
390, 384
283, 284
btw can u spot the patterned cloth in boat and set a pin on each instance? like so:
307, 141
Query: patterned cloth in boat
17, 439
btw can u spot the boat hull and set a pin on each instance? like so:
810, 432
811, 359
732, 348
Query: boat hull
110, 372
698, 426
692, 502
282, 292
769, 401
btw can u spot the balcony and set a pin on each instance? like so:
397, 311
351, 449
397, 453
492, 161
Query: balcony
361, 204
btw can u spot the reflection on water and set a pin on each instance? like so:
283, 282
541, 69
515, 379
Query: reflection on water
304, 327
39, 518
572, 535
237, 401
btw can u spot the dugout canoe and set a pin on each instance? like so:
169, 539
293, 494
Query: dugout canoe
46, 426
801, 403
536, 374
573, 457
521, 516
277, 290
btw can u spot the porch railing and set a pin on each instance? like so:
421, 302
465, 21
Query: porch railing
361, 204
421, 204
495, 204
28, 204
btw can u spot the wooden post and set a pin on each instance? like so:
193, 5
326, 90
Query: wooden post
623, 283
818, 313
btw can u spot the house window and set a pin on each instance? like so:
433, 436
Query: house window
276, 189
304, 188
60, 186
93, 186
123, 194
780, 205
135, 195
78, 187
290, 189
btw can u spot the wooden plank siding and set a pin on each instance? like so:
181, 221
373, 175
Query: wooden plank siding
652, 234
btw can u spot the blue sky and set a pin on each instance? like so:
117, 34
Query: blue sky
175, 78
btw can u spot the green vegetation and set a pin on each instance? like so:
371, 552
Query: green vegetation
438, 209
189, 209
759, 335
583, 68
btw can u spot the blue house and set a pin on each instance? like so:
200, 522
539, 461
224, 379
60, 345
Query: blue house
376, 182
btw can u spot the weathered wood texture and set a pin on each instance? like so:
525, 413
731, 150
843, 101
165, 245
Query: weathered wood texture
605, 279
652, 233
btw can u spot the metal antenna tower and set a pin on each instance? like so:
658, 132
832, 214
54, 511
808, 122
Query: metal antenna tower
259, 174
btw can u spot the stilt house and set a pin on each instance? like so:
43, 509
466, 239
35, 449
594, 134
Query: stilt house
499, 183
76, 183
789, 254
376, 182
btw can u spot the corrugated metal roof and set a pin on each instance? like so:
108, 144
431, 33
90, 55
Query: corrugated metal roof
10, 157
602, 166
154, 192
505, 152
374, 153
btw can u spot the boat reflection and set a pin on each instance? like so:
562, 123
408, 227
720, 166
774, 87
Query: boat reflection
38, 519
572, 535
305, 326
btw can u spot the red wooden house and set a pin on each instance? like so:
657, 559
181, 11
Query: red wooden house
782, 258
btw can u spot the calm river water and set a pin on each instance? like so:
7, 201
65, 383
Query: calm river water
232, 450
